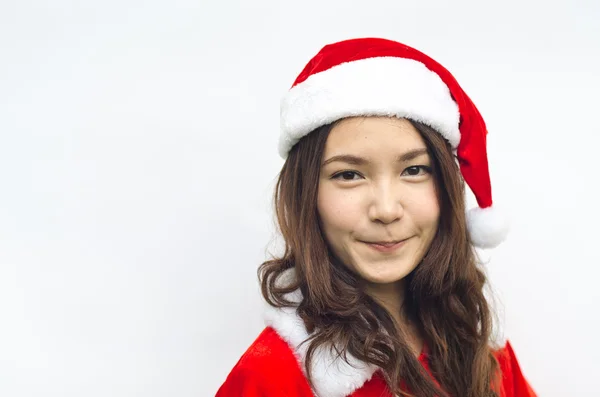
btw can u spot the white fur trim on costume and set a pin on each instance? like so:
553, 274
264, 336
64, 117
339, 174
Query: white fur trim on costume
384, 86
488, 227
332, 376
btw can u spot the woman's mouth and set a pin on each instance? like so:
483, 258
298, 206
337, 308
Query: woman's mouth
386, 246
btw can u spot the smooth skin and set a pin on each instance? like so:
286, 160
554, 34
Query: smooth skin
375, 190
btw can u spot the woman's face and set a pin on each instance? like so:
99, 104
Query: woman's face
376, 198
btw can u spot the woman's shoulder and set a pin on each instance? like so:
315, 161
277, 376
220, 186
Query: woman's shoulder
513, 383
268, 368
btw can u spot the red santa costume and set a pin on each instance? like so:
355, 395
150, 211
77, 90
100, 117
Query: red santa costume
370, 77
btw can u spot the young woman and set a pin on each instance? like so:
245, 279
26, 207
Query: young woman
378, 292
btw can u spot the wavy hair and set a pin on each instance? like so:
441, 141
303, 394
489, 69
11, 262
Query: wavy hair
444, 294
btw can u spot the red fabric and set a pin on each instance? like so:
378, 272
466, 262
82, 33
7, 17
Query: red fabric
471, 152
513, 382
269, 368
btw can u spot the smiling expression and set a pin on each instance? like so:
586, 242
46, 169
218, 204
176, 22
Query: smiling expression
377, 200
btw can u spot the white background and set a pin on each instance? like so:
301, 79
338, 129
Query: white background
138, 155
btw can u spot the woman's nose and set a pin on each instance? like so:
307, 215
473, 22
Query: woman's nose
385, 205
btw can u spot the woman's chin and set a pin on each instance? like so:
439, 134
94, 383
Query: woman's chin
385, 275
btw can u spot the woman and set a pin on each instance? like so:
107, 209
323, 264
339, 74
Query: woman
378, 292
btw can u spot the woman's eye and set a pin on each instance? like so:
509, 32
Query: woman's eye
346, 175
417, 170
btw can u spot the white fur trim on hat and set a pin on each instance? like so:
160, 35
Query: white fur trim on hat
488, 227
332, 376
383, 86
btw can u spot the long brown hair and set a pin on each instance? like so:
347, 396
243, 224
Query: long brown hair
444, 294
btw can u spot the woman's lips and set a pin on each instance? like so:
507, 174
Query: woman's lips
385, 246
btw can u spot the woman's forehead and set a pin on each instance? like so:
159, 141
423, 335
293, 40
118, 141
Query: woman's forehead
373, 136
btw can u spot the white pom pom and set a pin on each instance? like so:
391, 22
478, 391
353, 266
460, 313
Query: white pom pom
488, 227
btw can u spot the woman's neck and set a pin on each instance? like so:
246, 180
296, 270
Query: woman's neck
391, 297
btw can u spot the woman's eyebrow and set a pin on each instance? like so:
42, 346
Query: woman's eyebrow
357, 160
412, 154
346, 158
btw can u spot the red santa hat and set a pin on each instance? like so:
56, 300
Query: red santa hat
379, 77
